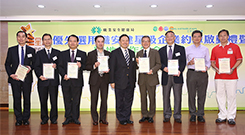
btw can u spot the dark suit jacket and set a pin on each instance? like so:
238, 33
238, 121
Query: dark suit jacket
42, 57
120, 73
155, 65
164, 60
94, 74
12, 62
64, 59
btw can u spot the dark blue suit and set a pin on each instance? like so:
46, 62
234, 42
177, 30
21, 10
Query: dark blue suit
72, 88
49, 86
169, 81
124, 78
11, 65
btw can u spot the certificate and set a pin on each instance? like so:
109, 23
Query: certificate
21, 72
72, 70
144, 65
199, 64
48, 70
224, 65
103, 60
173, 66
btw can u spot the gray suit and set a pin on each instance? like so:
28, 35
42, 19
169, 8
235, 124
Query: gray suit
147, 83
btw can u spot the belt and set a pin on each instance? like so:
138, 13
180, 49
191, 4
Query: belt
196, 71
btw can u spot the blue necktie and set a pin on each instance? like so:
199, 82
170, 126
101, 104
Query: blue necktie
48, 54
22, 55
145, 55
126, 57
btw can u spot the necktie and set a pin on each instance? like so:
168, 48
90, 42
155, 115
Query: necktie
127, 57
145, 55
72, 56
48, 54
22, 55
170, 53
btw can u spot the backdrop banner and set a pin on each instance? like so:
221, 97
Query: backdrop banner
86, 31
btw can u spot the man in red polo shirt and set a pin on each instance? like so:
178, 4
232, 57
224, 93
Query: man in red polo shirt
226, 83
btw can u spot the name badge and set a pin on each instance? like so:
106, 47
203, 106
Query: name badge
177, 54
55, 58
78, 58
29, 55
229, 52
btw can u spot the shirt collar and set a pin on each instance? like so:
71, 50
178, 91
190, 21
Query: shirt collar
50, 49
171, 45
225, 45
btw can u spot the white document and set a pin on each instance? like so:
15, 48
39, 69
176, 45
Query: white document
72, 70
21, 72
144, 65
224, 65
199, 64
103, 60
173, 67
48, 70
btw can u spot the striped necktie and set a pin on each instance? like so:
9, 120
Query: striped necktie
22, 55
127, 57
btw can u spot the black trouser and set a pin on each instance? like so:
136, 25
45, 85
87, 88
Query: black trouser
25, 89
43, 92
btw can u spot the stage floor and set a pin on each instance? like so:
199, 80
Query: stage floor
7, 125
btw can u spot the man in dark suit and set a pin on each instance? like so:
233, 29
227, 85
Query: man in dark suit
72, 87
148, 81
47, 86
98, 81
169, 52
20, 54
122, 78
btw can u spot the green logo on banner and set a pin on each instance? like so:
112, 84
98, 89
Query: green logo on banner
96, 29
155, 28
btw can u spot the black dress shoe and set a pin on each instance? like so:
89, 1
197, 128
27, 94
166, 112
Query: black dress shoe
44, 122
143, 119
231, 122
178, 120
200, 119
150, 120
77, 122
104, 122
219, 120
53, 122
123, 122
193, 118
26, 122
18, 123
67, 121
95, 123
166, 120
129, 121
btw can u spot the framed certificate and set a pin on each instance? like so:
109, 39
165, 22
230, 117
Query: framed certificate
199, 64
103, 60
48, 70
173, 67
144, 64
72, 70
224, 65
21, 72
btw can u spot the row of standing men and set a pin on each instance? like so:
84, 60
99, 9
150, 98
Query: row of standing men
122, 77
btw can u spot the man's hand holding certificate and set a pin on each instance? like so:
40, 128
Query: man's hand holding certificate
103, 63
224, 65
72, 70
48, 70
21, 72
173, 67
144, 65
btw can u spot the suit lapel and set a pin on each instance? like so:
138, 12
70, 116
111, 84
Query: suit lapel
121, 54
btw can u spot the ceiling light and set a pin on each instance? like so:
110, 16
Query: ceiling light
41, 6
209, 6
96, 6
153, 6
